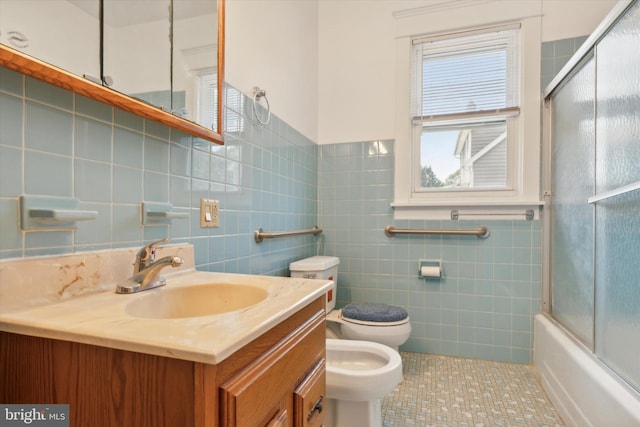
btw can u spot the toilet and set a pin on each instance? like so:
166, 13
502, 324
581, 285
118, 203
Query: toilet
359, 375
363, 364
381, 323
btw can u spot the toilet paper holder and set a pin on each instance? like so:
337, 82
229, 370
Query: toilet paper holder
430, 269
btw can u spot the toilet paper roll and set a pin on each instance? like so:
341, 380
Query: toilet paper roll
430, 271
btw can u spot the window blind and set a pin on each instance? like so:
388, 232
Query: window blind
208, 100
466, 75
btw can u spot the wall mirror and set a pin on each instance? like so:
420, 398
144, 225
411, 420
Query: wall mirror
161, 59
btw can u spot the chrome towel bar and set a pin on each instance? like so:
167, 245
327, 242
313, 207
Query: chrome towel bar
529, 214
260, 235
482, 232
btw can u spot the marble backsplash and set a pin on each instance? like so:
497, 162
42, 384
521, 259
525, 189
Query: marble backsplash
36, 281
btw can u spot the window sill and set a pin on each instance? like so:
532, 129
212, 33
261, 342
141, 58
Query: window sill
468, 210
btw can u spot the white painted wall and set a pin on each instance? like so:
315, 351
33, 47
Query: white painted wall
273, 44
357, 59
563, 19
357, 71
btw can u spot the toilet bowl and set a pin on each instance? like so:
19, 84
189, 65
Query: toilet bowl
361, 370
363, 364
359, 375
381, 323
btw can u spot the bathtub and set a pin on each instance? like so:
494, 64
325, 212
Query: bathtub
583, 390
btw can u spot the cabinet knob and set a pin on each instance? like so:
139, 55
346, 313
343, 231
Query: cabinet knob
317, 408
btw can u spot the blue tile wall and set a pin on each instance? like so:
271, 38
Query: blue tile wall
555, 54
484, 305
55, 143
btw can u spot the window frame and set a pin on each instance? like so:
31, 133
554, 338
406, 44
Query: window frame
424, 192
504, 39
524, 157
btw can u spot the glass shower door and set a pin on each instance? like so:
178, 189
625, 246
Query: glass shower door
572, 221
618, 217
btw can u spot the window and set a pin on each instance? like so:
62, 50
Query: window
468, 112
466, 93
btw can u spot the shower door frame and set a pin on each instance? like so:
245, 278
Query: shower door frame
573, 65
576, 60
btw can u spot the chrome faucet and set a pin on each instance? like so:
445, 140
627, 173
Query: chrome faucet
146, 270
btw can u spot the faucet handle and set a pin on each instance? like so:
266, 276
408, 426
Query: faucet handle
147, 254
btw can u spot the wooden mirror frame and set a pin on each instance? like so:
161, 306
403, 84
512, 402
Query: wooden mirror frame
25, 64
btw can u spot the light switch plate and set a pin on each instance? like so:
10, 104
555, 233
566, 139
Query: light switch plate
209, 214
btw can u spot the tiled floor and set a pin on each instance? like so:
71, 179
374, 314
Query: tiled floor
450, 391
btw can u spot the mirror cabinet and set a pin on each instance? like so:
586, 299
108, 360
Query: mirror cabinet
43, 31
160, 59
136, 58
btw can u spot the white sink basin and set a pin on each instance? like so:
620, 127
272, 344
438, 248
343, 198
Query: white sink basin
194, 301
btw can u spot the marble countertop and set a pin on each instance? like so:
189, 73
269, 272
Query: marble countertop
100, 318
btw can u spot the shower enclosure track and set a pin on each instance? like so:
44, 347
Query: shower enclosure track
616, 192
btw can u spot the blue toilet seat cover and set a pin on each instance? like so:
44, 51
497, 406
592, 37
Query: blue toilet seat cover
370, 312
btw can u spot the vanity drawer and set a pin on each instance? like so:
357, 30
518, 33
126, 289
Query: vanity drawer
263, 392
310, 398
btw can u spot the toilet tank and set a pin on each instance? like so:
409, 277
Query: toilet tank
319, 267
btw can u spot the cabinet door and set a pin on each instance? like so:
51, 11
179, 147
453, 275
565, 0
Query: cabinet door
62, 33
137, 49
194, 76
309, 398
265, 388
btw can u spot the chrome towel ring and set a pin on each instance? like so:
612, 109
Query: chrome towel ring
257, 94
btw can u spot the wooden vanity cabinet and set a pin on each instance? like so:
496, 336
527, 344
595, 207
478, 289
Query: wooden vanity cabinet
276, 380
266, 391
